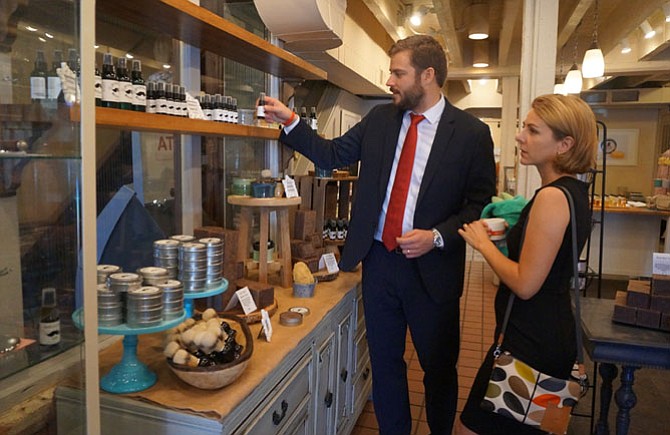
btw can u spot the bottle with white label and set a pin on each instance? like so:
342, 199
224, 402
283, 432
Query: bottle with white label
49, 329
260, 110
151, 97
161, 101
53, 81
98, 86
110, 86
312, 119
125, 85
38, 78
139, 87
234, 109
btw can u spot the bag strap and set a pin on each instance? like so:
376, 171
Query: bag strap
575, 287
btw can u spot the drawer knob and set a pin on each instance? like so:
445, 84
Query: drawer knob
329, 399
276, 418
366, 373
343, 375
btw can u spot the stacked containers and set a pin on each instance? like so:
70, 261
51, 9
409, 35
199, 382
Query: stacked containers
104, 270
193, 266
166, 254
122, 282
214, 261
152, 275
110, 306
173, 298
144, 307
182, 238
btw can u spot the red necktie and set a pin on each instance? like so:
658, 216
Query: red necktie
403, 174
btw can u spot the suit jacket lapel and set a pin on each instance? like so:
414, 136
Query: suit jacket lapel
445, 131
388, 148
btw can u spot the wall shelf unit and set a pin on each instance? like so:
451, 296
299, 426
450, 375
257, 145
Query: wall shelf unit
199, 27
152, 122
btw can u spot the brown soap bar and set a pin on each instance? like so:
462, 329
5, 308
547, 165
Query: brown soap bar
263, 294
305, 223
660, 285
620, 298
624, 314
316, 239
665, 322
660, 303
637, 299
301, 248
648, 318
639, 285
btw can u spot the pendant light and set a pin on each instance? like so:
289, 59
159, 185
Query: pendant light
647, 30
478, 21
593, 64
573, 81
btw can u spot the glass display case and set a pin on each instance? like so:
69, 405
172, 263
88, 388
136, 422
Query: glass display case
42, 199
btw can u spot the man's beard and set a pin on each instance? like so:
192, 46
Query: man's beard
411, 98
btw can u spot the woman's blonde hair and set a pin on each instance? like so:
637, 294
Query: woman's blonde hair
570, 116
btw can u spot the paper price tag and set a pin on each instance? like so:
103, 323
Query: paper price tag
267, 325
290, 187
661, 263
193, 108
329, 262
243, 296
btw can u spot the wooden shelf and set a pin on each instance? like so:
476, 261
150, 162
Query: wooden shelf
142, 121
199, 27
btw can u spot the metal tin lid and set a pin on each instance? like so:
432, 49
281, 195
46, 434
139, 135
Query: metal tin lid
108, 269
146, 291
211, 241
167, 244
288, 318
152, 272
182, 238
301, 310
124, 277
193, 246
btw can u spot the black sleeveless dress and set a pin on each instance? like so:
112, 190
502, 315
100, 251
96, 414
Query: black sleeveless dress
541, 330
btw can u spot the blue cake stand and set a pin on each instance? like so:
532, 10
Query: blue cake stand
190, 296
130, 375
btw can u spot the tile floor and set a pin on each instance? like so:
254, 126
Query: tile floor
477, 325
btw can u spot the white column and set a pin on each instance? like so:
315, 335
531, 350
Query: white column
538, 68
508, 126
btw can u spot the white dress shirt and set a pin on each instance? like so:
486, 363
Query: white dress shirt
426, 130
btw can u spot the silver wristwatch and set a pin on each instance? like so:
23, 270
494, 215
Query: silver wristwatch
438, 242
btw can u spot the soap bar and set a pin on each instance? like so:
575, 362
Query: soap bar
660, 285
648, 318
665, 322
660, 303
305, 223
263, 294
624, 314
638, 299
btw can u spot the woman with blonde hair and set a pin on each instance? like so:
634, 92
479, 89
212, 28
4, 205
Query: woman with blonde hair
559, 138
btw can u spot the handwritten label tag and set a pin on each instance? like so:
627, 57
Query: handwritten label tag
290, 187
69, 85
267, 325
193, 108
661, 263
329, 262
243, 296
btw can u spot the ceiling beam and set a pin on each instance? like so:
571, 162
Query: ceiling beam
624, 20
511, 12
448, 25
574, 17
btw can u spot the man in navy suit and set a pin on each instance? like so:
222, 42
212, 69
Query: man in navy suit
412, 278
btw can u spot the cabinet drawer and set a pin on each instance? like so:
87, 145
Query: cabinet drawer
361, 349
360, 314
362, 386
292, 396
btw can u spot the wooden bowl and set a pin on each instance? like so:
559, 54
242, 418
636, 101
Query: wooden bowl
218, 376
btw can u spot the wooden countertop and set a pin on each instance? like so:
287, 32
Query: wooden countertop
170, 392
640, 211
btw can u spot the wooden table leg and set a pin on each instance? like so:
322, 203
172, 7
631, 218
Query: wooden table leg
263, 245
625, 399
608, 372
243, 243
284, 243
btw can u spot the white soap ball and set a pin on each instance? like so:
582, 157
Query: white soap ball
209, 313
171, 348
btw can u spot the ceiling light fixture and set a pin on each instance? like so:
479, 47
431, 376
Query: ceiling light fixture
478, 21
573, 81
593, 64
625, 46
647, 30
666, 12
480, 54
417, 17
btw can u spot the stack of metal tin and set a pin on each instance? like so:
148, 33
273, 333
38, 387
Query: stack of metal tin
214, 261
173, 298
152, 275
193, 266
144, 307
166, 255
104, 270
123, 282
183, 238
110, 306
